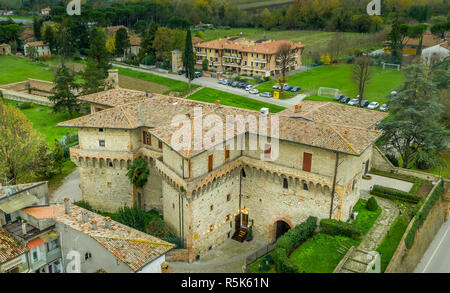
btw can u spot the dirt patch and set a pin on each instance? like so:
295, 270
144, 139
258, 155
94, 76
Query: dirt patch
141, 85
424, 189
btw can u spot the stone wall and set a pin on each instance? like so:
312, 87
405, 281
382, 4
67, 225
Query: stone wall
177, 255
405, 260
32, 91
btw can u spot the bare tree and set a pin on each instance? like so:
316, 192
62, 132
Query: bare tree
337, 45
285, 58
361, 74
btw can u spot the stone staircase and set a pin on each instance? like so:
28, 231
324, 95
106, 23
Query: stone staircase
240, 235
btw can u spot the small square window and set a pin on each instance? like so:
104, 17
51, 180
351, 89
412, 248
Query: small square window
100, 130
101, 143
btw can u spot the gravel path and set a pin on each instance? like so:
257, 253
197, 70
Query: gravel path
70, 188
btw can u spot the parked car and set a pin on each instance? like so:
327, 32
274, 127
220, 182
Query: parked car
384, 108
296, 89
254, 91
364, 103
234, 84
276, 87
373, 106
249, 87
353, 102
338, 97
223, 81
266, 95
230, 82
198, 74
345, 100
287, 87
181, 72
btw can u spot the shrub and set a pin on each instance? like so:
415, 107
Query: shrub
24, 106
133, 217
392, 159
423, 213
372, 204
334, 227
282, 263
392, 193
84, 204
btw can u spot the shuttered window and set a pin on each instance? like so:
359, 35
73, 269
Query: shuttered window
307, 161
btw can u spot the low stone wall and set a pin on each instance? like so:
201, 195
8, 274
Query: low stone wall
24, 97
32, 90
177, 255
405, 260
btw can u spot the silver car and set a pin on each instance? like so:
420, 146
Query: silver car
384, 108
266, 95
353, 102
373, 105
254, 91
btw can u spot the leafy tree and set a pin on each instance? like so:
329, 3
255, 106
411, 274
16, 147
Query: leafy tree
397, 37
188, 58
37, 26
97, 50
64, 96
58, 156
93, 77
417, 32
43, 164
440, 28
122, 42
148, 38
361, 74
205, 64
372, 204
32, 53
49, 38
414, 131
19, 145
138, 173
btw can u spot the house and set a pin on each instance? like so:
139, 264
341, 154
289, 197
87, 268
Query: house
13, 254
101, 243
177, 60
410, 45
310, 165
111, 30
246, 56
197, 40
27, 36
435, 54
5, 49
46, 11
39, 240
135, 46
41, 48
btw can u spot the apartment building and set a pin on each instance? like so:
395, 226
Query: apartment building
210, 194
246, 56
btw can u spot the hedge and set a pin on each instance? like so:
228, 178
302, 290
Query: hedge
423, 213
392, 193
290, 241
334, 227
393, 175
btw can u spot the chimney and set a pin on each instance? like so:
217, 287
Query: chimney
108, 223
298, 108
94, 225
24, 228
84, 216
67, 206
113, 78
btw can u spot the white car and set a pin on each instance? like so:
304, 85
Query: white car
249, 87
373, 106
384, 108
254, 91
266, 95
276, 87
353, 102
223, 81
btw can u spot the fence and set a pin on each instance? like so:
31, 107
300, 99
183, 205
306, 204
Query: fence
259, 253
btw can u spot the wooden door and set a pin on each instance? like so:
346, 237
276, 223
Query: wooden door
307, 161
210, 163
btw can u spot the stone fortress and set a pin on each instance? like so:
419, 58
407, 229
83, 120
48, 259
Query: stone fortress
211, 194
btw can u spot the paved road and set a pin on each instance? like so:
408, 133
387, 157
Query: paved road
70, 188
437, 258
213, 83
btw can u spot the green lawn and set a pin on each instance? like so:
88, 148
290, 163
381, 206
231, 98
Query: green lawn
44, 121
319, 254
391, 241
13, 69
174, 85
228, 99
366, 218
339, 77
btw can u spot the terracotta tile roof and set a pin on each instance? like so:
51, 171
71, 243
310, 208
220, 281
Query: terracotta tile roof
46, 9
10, 247
113, 97
135, 41
26, 34
245, 45
197, 40
429, 40
36, 44
35, 242
134, 248
114, 29
325, 125
336, 114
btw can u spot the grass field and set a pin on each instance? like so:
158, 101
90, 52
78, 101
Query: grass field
13, 69
44, 121
366, 218
259, 4
177, 86
339, 77
228, 99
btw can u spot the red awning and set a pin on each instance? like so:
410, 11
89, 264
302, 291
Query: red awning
35, 242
